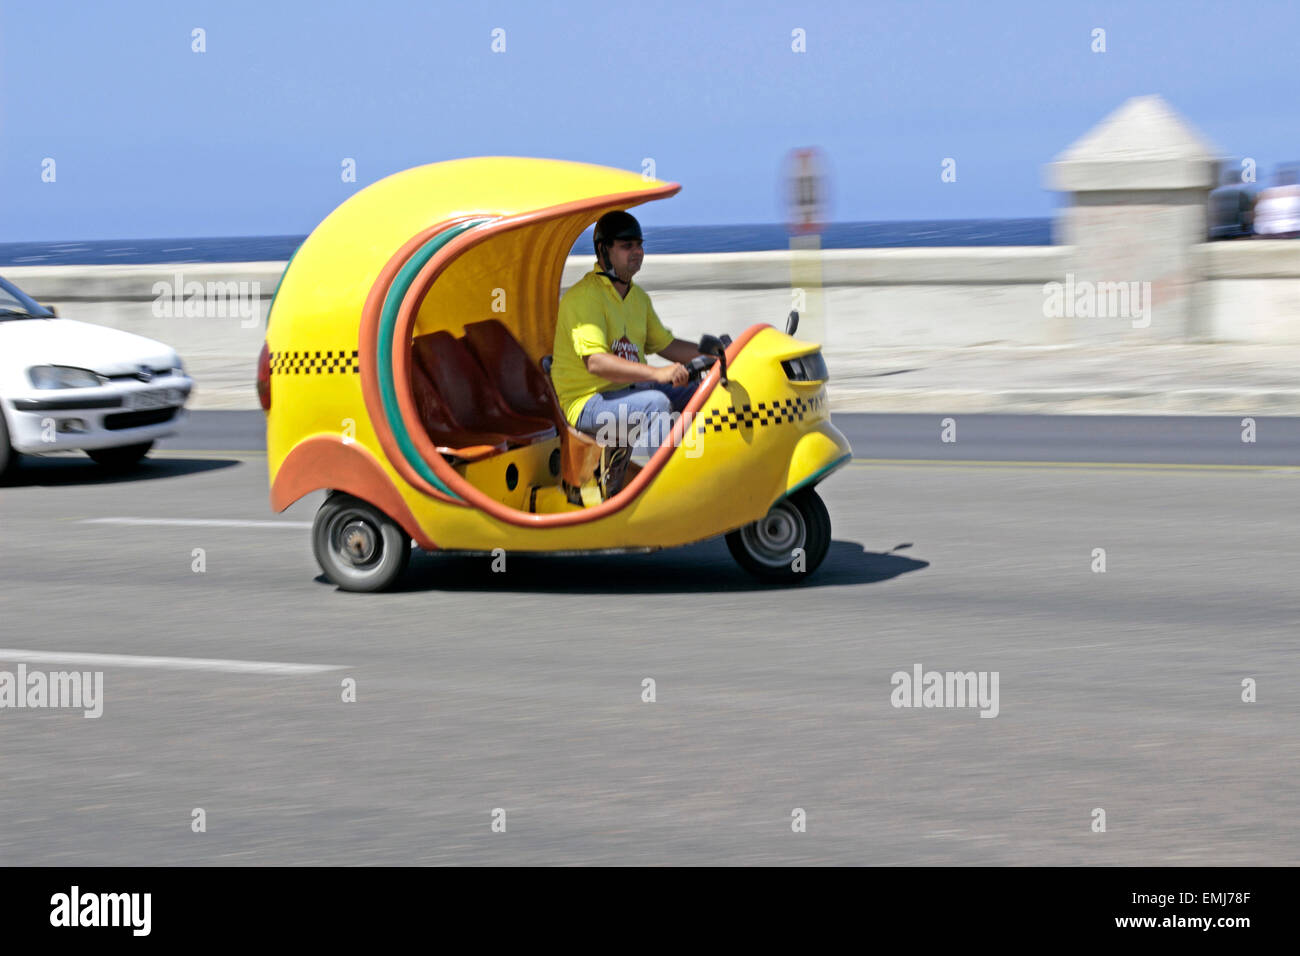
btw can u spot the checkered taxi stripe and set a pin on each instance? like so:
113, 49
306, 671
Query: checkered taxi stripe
765, 413
314, 363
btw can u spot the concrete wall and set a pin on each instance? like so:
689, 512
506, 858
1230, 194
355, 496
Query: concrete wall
1251, 291
872, 299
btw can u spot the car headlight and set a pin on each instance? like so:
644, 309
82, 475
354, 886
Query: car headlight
62, 376
806, 368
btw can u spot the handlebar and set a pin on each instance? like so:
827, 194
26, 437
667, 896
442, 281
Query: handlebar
699, 366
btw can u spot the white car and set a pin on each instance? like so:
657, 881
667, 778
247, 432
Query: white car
70, 385
1277, 211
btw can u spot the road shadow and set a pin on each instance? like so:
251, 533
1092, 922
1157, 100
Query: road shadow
70, 470
704, 568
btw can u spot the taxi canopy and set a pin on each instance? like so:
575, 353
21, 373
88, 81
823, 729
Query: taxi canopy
513, 219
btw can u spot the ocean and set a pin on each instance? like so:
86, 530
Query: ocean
658, 240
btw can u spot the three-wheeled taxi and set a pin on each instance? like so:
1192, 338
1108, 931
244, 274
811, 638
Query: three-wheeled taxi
404, 371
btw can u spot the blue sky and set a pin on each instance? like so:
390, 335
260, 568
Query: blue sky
151, 139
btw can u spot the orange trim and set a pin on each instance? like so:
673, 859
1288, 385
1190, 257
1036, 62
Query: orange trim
368, 353
471, 452
351, 469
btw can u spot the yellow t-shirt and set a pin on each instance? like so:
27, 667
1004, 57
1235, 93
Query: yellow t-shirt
594, 318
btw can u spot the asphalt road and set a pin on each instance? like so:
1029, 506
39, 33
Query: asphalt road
523, 690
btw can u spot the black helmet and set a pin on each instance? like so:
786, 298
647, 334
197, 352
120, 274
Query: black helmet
615, 225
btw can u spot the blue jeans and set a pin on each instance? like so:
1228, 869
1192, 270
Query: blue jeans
638, 416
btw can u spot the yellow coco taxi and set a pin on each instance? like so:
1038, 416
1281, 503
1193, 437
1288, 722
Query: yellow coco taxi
403, 371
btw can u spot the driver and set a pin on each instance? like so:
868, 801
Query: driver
605, 328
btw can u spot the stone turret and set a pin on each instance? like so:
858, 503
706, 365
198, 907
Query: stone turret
1138, 186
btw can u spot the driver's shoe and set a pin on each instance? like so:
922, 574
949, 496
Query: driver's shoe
572, 494
613, 466
584, 496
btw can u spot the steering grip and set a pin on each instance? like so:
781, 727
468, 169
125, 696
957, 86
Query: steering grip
698, 366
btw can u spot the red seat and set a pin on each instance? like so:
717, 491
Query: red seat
472, 401
521, 383
447, 437
528, 391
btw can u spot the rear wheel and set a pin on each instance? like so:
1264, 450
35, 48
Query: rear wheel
788, 543
358, 546
120, 458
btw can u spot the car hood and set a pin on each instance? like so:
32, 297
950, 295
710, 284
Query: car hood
80, 344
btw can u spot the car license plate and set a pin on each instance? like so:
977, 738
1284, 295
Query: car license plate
152, 398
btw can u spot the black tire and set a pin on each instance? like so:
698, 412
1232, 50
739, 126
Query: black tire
8, 457
358, 546
122, 458
766, 548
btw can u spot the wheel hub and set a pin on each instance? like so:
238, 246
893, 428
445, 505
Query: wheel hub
358, 542
773, 538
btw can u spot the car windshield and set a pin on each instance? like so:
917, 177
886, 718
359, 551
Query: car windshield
16, 304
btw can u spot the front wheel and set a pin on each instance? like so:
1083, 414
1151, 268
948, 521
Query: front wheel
788, 543
358, 546
120, 458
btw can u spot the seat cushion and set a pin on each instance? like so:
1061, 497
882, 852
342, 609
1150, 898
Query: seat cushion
527, 389
472, 401
447, 437
521, 383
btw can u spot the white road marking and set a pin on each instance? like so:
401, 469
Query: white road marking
78, 659
199, 522
1051, 650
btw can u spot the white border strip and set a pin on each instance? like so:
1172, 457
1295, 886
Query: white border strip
163, 663
199, 522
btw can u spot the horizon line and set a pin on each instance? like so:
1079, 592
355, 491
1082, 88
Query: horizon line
716, 225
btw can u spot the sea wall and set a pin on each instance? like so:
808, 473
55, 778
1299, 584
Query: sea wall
869, 299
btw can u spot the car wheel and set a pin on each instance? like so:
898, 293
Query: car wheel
358, 546
8, 457
766, 548
120, 458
